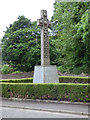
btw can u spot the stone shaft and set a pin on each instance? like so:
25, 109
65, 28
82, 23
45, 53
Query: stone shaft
44, 24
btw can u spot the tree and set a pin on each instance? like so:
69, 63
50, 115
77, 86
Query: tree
71, 35
19, 46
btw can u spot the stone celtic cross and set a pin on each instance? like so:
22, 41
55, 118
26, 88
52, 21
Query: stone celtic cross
44, 23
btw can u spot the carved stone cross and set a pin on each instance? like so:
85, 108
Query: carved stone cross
44, 23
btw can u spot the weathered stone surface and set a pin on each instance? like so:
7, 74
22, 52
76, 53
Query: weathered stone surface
45, 74
44, 24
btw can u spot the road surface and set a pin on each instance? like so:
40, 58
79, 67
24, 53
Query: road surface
25, 113
32, 109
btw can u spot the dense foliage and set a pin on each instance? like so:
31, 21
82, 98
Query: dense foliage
71, 36
19, 46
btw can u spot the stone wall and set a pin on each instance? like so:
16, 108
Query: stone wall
17, 76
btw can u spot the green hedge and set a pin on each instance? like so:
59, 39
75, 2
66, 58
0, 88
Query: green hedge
62, 79
25, 80
55, 91
73, 79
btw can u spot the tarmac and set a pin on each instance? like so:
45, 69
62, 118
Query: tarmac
48, 105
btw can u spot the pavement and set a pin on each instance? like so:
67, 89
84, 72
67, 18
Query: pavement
79, 109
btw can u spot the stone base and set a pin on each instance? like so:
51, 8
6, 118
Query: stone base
45, 74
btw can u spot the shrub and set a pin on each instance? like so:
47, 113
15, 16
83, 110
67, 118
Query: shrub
25, 80
53, 91
6, 69
15, 72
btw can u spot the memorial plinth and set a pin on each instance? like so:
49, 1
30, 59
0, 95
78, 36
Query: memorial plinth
45, 73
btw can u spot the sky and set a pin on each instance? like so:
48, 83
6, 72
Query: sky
11, 9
